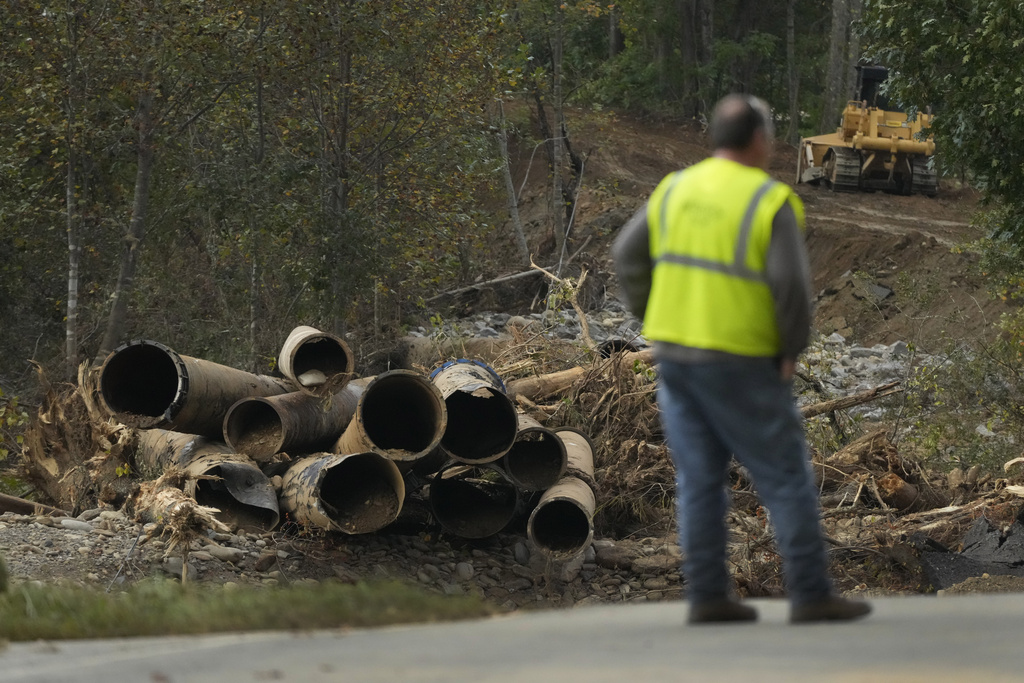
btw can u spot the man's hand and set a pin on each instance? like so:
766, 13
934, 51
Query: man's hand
787, 368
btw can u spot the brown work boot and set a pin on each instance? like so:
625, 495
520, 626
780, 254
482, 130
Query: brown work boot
720, 610
831, 608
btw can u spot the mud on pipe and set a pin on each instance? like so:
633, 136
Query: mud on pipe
148, 385
261, 426
401, 415
355, 494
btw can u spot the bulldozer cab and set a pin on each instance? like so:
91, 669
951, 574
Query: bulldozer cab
869, 81
874, 148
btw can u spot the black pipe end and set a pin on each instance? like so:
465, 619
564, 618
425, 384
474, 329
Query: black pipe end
140, 381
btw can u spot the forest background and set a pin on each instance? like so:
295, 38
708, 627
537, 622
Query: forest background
210, 174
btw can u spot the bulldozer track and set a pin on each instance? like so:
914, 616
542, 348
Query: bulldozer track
845, 175
923, 179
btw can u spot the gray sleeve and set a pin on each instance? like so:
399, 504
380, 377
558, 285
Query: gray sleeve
631, 254
789, 276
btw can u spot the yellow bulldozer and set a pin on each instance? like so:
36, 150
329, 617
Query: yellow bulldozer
874, 148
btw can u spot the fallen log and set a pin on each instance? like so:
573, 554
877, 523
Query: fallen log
540, 387
881, 391
28, 507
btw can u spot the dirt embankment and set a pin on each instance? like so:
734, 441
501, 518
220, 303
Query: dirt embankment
886, 267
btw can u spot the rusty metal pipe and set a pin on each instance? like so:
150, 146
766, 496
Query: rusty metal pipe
296, 422
562, 524
357, 493
473, 501
482, 422
318, 362
400, 414
147, 385
219, 477
537, 459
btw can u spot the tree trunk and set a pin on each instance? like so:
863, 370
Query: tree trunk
341, 172
792, 76
705, 47
852, 50
510, 189
835, 74
74, 253
136, 230
696, 33
71, 200
689, 38
557, 203
615, 43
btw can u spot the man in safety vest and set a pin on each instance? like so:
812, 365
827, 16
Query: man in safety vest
716, 267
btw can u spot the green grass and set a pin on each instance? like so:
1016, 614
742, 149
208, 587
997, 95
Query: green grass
166, 607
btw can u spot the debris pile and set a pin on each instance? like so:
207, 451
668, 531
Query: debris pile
572, 456
195, 447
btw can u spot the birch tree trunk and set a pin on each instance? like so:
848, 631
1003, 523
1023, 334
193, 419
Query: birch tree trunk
71, 200
74, 250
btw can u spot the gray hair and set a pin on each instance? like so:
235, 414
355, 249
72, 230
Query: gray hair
735, 120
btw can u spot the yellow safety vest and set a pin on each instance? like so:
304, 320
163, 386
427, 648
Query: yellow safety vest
710, 227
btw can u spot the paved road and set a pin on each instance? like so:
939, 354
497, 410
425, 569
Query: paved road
921, 638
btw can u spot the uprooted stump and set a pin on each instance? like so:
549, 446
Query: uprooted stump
73, 453
871, 465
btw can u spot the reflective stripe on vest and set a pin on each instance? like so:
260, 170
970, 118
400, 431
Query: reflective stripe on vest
738, 267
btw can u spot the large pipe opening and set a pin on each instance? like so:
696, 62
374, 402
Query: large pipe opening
473, 502
481, 425
359, 494
536, 460
324, 354
561, 526
482, 422
141, 378
319, 362
403, 412
254, 427
356, 493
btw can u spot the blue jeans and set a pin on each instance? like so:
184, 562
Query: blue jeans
711, 412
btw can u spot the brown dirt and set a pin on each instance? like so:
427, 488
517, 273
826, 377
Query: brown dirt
913, 246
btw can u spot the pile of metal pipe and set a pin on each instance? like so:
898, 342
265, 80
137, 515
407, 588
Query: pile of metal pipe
357, 493
537, 459
147, 385
562, 523
482, 421
344, 445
